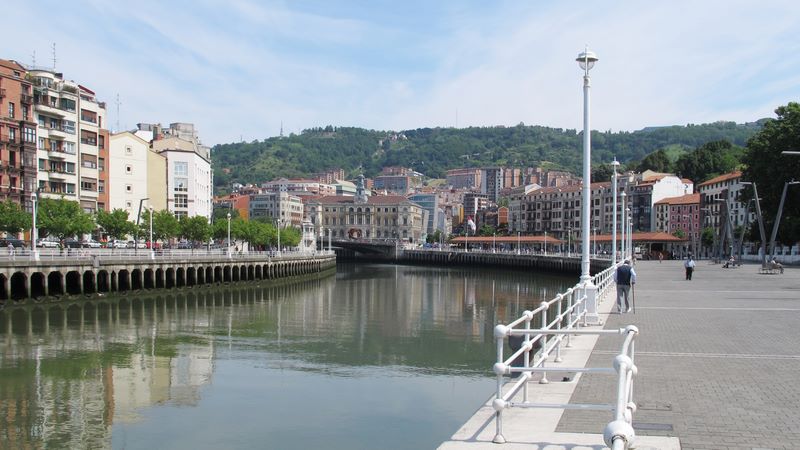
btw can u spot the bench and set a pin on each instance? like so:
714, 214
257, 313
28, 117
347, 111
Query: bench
771, 270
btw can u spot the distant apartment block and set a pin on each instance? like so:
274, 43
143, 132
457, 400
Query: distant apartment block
680, 214
300, 187
397, 180
282, 206
464, 178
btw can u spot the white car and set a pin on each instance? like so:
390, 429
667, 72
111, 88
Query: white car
47, 243
90, 243
117, 244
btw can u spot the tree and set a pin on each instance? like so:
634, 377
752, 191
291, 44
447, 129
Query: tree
602, 172
486, 230
165, 225
63, 218
290, 237
12, 217
707, 237
657, 161
195, 229
769, 169
709, 160
679, 234
115, 223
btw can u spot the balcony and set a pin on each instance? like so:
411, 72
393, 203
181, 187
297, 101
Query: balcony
52, 109
2, 92
25, 98
89, 141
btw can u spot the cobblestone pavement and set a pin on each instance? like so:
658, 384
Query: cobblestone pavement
718, 359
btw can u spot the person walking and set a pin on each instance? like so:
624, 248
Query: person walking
689, 266
625, 277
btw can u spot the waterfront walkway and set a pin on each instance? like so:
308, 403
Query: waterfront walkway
718, 359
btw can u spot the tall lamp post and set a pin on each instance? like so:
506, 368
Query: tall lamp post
760, 224
229, 234
278, 222
152, 246
630, 233
624, 229
518, 240
34, 231
569, 242
586, 61
614, 164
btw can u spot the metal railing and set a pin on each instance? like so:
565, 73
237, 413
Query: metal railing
101, 254
565, 321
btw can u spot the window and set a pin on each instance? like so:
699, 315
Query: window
181, 201
42, 145
24, 112
101, 164
181, 169
128, 169
101, 186
69, 147
128, 150
128, 188
181, 185
12, 134
10, 110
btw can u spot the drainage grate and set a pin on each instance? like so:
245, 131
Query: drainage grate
652, 426
654, 406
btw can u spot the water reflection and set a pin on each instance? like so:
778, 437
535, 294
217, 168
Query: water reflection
71, 373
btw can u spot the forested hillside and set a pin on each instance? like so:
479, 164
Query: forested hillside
432, 151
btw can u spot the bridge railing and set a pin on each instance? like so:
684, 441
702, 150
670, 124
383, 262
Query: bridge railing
567, 313
101, 254
522, 252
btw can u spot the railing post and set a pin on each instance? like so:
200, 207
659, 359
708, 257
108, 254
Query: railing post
570, 302
500, 333
527, 355
543, 341
559, 299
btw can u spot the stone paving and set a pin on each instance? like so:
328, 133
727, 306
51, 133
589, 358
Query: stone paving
718, 358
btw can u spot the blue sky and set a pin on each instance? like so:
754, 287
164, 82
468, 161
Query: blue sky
239, 68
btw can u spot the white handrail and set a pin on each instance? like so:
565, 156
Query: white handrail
569, 315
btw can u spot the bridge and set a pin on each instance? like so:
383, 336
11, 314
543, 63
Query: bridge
57, 273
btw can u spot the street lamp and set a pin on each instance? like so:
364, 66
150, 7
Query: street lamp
152, 250
778, 218
594, 241
278, 222
494, 242
789, 152
629, 246
545, 243
518, 242
569, 242
586, 61
624, 228
229, 235
34, 237
614, 164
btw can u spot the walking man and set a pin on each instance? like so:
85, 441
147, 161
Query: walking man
625, 277
689, 266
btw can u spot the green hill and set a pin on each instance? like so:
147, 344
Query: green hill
432, 151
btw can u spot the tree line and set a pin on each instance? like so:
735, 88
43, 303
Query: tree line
63, 219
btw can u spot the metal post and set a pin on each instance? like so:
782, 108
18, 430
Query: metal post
34, 231
278, 221
545, 243
624, 229
760, 225
778, 219
136, 233
229, 235
152, 246
614, 219
518, 243
586, 61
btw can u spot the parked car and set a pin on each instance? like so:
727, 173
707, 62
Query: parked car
132, 244
47, 243
17, 243
72, 243
90, 243
184, 245
116, 243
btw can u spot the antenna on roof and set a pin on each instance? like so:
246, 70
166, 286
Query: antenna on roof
54, 56
281, 135
33, 59
118, 103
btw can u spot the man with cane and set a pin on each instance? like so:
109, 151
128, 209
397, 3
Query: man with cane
625, 277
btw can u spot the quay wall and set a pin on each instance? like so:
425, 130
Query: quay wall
554, 263
92, 274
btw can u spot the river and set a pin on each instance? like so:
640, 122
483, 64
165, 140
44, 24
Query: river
377, 356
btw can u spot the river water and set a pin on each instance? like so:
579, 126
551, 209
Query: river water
377, 356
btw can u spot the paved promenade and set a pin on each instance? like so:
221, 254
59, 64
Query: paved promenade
718, 357
719, 368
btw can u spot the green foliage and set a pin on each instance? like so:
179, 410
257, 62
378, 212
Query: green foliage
707, 236
165, 225
679, 234
195, 229
657, 161
435, 237
432, 151
62, 218
13, 218
769, 169
115, 223
709, 160
222, 214
290, 237
486, 230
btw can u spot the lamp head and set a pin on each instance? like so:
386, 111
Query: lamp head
229, 216
586, 60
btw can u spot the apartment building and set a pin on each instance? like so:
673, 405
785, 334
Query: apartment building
649, 188
138, 173
680, 214
718, 192
283, 206
190, 179
464, 178
17, 135
300, 187
71, 138
377, 217
492, 182
397, 180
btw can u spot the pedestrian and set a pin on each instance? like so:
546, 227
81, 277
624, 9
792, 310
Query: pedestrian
660, 257
689, 266
11, 250
625, 277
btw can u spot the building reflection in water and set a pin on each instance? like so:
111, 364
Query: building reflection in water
72, 369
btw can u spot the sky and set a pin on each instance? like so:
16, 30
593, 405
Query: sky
245, 69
